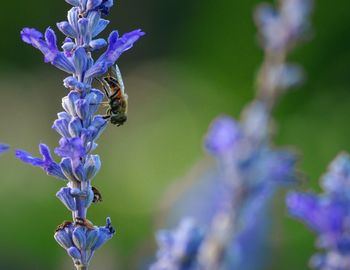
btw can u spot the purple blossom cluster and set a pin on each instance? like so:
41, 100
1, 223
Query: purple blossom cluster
282, 28
232, 211
328, 215
178, 247
78, 125
230, 205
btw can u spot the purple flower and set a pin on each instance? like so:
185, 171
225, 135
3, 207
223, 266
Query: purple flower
285, 76
116, 45
271, 26
179, 248
48, 47
337, 180
281, 29
328, 214
73, 2
67, 29
71, 147
233, 200
223, 136
4, 148
105, 6
65, 195
46, 163
104, 234
77, 238
324, 216
271, 166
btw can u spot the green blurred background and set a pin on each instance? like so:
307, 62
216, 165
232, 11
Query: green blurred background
198, 60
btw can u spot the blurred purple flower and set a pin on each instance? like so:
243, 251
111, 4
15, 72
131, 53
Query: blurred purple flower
4, 148
223, 135
232, 202
328, 214
179, 248
281, 29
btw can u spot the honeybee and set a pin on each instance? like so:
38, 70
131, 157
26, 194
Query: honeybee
97, 195
114, 89
62, 226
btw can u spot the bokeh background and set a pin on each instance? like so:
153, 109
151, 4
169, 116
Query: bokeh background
198, 60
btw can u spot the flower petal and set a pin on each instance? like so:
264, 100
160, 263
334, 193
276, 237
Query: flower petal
119, 45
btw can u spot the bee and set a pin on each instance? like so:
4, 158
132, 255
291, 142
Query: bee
114, 89
62, 226
97, 195
84, 222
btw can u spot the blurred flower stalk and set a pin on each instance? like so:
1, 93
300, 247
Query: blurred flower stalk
224, 228
78, 124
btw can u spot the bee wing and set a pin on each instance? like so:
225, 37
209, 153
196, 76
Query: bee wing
118, 76
105, 86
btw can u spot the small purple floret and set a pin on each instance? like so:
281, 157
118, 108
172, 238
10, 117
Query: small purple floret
30, 35
48, 47
71, 147
46, 163
223, 135
116, 45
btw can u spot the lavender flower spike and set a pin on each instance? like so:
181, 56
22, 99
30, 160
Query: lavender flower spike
231, 203
78, 125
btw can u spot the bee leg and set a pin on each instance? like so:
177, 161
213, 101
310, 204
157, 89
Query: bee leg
107, 115
104, 103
